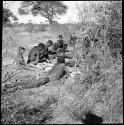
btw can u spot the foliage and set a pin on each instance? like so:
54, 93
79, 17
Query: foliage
107, 16
48, 9
7, 14
29, 27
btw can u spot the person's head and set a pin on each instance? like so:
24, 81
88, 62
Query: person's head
72, 40
21, 50
41, 46
49, 43
60, 37
60, 41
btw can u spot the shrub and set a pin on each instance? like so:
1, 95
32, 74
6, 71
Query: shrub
29, 27
40, 28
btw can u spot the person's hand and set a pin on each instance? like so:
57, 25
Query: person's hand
36, 62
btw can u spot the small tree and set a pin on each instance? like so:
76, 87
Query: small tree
48, 9
7, 14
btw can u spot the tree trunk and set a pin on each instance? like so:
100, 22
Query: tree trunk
50, 21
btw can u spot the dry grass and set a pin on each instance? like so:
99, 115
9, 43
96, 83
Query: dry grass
29, 106
98, 90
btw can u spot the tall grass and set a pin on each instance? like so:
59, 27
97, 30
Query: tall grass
98, 87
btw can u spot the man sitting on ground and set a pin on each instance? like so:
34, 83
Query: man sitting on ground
61, 45
50, 47
36, 54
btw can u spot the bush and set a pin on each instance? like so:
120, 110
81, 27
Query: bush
29, 27
35, 28
40, 28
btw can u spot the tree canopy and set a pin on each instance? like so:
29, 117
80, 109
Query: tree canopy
107, 15
7, 14
48, 9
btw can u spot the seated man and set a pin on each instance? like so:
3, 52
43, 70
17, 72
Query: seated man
47, 51
61, 45
36, 54
50, 47
55, 48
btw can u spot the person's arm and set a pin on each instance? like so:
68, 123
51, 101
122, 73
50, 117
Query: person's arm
36, 61
55, 46
51, 50
46, 54
65, 47
59, 50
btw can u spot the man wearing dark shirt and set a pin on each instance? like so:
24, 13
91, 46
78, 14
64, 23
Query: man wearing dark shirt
61, 45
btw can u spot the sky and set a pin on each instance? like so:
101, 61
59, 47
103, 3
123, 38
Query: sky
71, 14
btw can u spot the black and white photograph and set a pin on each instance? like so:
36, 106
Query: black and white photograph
61, 62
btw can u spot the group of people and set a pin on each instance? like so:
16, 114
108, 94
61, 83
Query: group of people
39, 54
42, 52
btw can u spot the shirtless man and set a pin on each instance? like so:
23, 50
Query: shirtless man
36, 54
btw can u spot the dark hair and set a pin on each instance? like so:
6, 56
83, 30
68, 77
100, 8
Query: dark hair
50, 41
60, 36
21, 48
41, 45
55, 46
